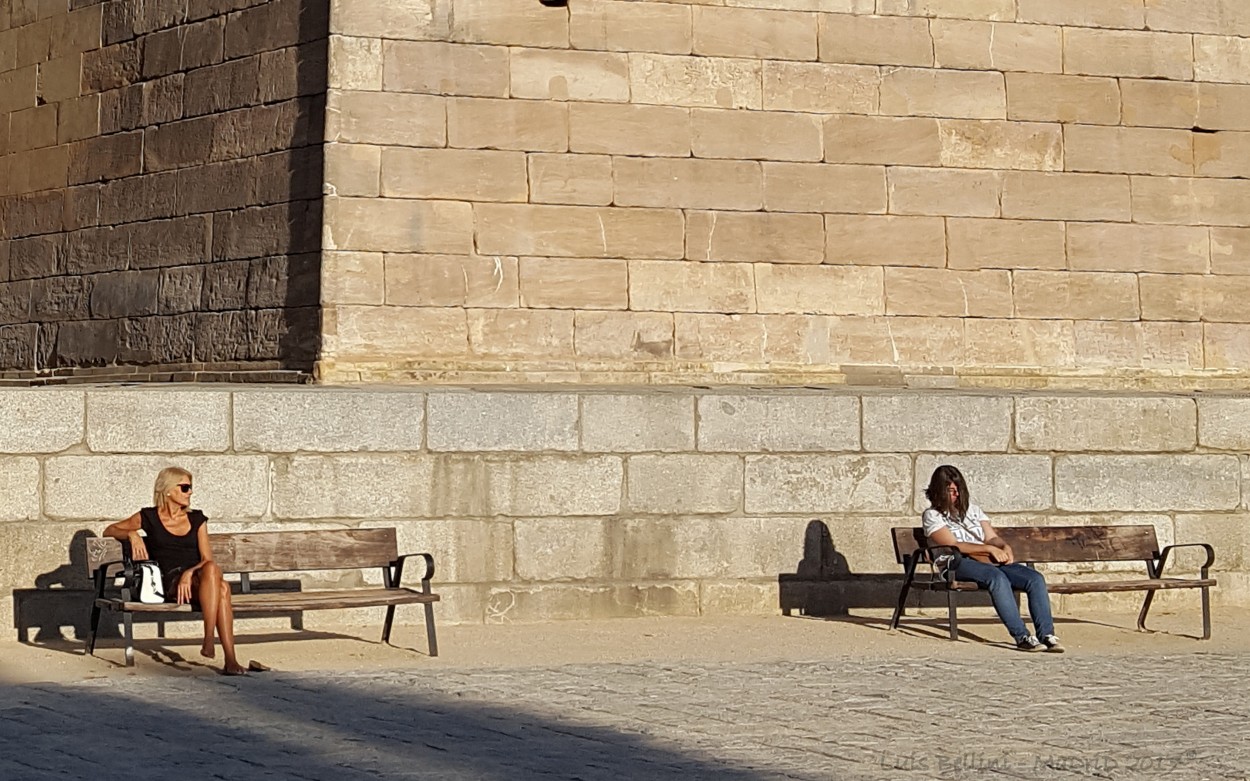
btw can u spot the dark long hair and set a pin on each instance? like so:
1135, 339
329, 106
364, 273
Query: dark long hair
943, 476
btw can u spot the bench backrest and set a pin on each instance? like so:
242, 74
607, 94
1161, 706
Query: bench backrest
1057, 543
280, 551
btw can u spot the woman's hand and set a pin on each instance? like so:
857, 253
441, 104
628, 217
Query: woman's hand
184, 587
138, 551
999, 555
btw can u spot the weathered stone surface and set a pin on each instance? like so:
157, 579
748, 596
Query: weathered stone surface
353, 486
451, 280
561, 549
108, 488
737, 597
919, 241
1138, 248
755, 236
1009, 483
875, 40
883, 140
684, 484
40, 420
520, 334
1113, 424
1127, 53
620, 26
1006, 244
580, 232
328, 421
905, 423
687, 286
828, 484
551, 485
157, 421
569, 75
667, 548
465, 551
940, 191
926, 92
1087, 295
1147, 483
629, 129
802, 187
629, 423
443, 68
714, 82
491, 421
822, 290
19, 489
823, 88
1224, 423
778, 423
1226, 532
528, 604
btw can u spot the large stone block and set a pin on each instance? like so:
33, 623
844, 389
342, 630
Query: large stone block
395, 332
609, 128
398, 225
1045, 97
820, 88
631, 336
738, 598
529, 604
1108, 344
1224, 423
569, 75
755, 135
755, 236
668, 548
574, 283
157, 421
1109, 424
977, 143
570, 179
1094, 52
1130, 16
520, 334
108, 488
19, 489
803, 187
444, 68
905, 423
1138, 248
43, 555
979, 45
944, 192
1228, 533
394, 118
493, 421
328, 421
778, 423
561, 549
487, 123
510, 22
715, 82
684, 484
638, 423
754, 33
1010, 483
1088, 295
688, 286
451, 280
856, 239
828, 484
553, 485
1156, 103
454, 174
688, 184
40, 420
353, 486
821, 290
875, 40
948, 293
1129, 150
1189, 201
883, 140
631, 27
1067, 196
465, 551
1147, 483
579, 232
927, 92
1223, 58
1005, 244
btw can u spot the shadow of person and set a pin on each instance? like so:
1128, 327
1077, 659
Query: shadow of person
820, 558
823, 584
61, 599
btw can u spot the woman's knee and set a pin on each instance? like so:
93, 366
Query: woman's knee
211, 572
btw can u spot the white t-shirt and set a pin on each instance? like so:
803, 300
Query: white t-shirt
966, 529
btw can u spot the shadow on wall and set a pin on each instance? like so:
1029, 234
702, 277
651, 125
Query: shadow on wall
60, 600
824, 586
362, 728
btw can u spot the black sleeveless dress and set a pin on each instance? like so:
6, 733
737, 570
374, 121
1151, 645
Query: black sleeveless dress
173, 553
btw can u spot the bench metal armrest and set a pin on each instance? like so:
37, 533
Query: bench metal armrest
1206, 566
397, 569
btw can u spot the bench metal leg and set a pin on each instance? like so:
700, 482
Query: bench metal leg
386, 625
95, 627
902, 594
1145, 609
1206, 613
951, 617
128, 620
429, 628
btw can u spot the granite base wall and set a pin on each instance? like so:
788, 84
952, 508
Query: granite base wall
566, 503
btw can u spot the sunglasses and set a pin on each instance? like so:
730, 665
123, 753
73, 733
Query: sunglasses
184, 487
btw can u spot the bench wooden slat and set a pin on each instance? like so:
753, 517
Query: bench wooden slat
1043, 544
280, 551
1145, 584
271, 602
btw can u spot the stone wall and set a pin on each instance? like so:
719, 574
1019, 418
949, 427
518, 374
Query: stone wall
575, 503
982, 192
160, 181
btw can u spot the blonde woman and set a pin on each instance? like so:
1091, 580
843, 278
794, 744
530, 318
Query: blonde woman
176, 538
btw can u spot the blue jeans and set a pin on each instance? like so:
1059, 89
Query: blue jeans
999, 581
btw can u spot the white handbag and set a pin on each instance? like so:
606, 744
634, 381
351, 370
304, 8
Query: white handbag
148, 586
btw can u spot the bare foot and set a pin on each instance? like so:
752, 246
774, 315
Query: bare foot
233, 668
208, 651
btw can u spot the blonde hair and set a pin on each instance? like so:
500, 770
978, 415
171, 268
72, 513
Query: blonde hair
169, 477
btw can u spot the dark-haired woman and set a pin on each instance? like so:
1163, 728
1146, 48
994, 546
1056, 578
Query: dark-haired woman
176, 538
988, 561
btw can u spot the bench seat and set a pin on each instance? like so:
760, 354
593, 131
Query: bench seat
280, 601
1079, 587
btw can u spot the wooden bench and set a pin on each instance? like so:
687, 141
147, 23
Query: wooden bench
249, 553
1054, 544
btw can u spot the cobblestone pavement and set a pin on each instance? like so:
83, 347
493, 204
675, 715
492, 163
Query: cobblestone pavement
1042, 716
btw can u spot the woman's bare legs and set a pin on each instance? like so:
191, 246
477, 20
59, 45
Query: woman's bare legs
214, 595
